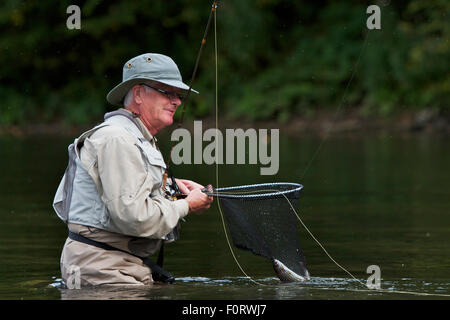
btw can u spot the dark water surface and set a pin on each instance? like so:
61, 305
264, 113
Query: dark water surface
370, 200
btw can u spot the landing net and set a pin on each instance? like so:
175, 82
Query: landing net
261, 219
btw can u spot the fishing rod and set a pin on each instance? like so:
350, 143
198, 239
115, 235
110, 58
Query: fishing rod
168, 173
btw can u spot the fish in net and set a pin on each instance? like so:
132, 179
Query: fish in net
262, 220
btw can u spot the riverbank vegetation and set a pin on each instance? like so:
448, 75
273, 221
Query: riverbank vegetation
278, 59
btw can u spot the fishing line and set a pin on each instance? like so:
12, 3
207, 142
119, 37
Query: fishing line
314, 156
290, 204
317, 151
374, 290
217, 154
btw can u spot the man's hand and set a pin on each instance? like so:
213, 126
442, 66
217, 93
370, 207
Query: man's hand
198, 201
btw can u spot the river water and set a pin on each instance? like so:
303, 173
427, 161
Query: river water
368, 199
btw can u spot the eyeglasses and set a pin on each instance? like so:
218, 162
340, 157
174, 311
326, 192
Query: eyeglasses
169, 94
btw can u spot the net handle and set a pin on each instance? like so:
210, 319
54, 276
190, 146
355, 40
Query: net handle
217, 192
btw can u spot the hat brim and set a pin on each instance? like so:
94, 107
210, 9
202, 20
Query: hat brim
117, 94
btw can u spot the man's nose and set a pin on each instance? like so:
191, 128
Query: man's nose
176, 101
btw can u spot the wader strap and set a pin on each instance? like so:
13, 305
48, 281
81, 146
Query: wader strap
158, 273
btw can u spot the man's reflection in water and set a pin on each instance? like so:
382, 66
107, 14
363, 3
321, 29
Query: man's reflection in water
112, 292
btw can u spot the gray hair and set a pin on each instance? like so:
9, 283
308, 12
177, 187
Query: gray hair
129, 96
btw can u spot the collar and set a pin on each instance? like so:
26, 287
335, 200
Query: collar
147, 135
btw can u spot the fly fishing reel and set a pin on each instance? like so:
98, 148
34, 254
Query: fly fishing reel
171, 189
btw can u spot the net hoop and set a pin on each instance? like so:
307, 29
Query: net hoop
258, 191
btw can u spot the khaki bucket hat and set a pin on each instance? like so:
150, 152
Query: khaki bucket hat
147, 68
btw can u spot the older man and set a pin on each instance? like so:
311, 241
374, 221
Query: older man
112, 195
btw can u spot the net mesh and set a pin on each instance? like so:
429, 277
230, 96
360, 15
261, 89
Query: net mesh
260, 219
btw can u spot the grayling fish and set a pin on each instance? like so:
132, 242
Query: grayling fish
287, 275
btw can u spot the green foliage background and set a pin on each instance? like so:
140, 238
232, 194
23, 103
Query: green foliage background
277, 58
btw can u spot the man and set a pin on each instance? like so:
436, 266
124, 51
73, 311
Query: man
112, 195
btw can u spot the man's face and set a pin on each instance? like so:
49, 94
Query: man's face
157, 109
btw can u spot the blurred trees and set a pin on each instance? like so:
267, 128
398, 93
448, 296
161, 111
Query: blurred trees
277, 58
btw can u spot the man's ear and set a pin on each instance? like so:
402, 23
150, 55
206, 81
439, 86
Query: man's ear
137, 93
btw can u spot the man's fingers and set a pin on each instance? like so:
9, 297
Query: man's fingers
192, 185
183, 188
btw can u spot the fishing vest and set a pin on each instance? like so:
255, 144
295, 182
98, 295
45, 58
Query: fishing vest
77, 191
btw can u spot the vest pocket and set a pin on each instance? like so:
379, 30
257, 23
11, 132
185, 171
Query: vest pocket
152, 156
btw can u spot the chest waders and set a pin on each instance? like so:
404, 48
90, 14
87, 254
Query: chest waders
158, 273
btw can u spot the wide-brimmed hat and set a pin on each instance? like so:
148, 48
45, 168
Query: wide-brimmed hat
147, 68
